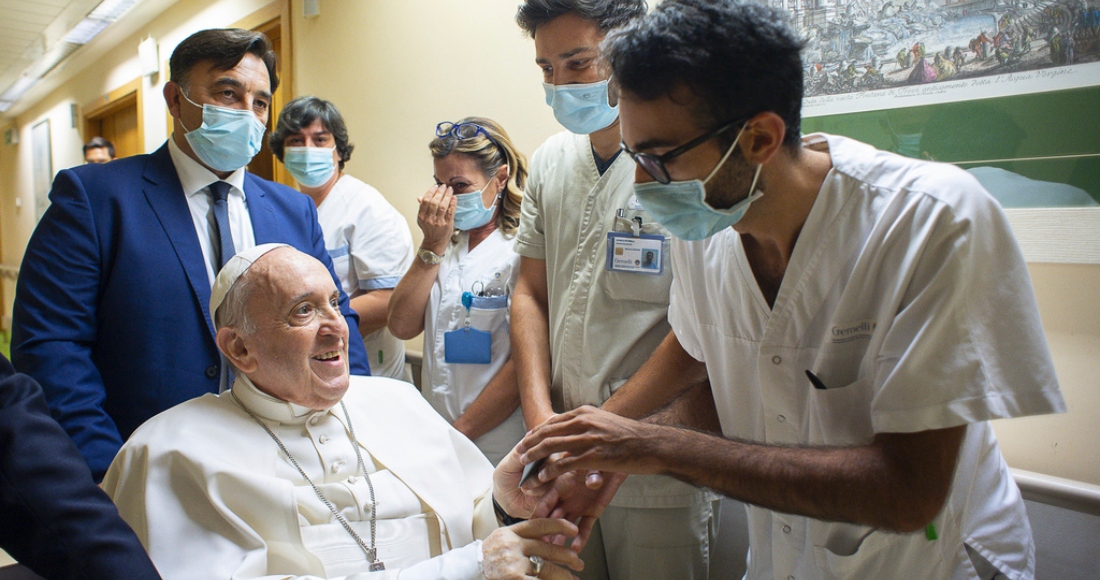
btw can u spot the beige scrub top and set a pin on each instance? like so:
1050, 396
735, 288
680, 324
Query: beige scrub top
603, 325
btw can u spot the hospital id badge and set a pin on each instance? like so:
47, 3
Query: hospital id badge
641, 254
467, 346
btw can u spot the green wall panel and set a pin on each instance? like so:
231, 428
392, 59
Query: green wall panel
1052, 137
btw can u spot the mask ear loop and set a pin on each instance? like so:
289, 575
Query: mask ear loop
193, 104
727, 156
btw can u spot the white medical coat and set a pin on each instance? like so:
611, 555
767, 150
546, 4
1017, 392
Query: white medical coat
371, 249
492, 267
908, 297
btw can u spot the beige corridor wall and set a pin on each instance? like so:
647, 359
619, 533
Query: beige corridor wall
90, 78
397, 67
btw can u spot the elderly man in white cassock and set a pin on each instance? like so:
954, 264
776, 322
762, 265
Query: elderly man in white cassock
299, 471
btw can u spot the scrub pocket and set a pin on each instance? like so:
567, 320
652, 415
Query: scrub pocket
637, 286
489, 313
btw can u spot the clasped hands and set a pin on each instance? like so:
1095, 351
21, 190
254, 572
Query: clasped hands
588, 455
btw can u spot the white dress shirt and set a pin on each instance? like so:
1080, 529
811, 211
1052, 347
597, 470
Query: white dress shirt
196, 180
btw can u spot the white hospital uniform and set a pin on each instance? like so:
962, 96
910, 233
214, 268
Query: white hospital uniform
907, 296
491, 268
371, 249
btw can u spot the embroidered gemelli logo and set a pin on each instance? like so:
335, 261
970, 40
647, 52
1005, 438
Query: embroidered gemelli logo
861, 330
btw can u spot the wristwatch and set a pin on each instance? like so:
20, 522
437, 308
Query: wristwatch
429, 257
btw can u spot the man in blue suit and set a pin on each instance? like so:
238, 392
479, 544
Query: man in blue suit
111, 312
57, 522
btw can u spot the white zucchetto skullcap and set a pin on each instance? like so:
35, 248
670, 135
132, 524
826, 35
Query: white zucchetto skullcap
237, 265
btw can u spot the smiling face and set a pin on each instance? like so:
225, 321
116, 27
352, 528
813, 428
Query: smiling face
298, 348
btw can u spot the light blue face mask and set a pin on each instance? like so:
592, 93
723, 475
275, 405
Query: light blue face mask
583, 109
227, 139
310, 166
681, 206
471, 212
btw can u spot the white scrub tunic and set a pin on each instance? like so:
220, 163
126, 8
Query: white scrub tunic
491, 268
907, 297
371, 249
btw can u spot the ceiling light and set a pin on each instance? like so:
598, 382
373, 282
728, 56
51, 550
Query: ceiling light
111, 9
17, 88
85, 30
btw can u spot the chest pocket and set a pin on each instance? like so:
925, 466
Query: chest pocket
840, 414
489, 313
637, 286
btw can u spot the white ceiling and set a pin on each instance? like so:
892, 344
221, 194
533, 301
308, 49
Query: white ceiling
28, 28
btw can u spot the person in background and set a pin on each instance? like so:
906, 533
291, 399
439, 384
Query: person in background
367, 238
861, 316
110, 306
302, 471
99, 150
56, 521
458, 291
580, 327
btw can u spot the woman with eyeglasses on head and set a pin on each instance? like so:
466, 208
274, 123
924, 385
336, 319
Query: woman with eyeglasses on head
459, 289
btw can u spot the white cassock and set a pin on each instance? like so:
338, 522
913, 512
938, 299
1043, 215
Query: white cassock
210, 494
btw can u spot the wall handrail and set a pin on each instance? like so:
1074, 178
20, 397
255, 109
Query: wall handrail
1058, 491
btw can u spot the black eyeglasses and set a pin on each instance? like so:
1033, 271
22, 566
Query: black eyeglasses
655, 164
463, 131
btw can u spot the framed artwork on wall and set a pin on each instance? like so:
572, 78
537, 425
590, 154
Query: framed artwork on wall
43, 166
865, 55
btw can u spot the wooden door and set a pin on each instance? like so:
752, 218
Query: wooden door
116, 118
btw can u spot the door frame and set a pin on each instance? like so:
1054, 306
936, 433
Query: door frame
276, 15
127, 95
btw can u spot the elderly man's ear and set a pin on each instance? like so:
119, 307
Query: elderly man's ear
233, 346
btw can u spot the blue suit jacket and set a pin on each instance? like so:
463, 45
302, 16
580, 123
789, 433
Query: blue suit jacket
56, 521
111, 307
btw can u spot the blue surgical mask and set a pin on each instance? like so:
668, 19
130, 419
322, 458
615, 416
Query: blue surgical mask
471, 212
583, 109
310, 166
227, 139
681, 206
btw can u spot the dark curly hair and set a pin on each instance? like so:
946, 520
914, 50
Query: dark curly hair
738, 58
